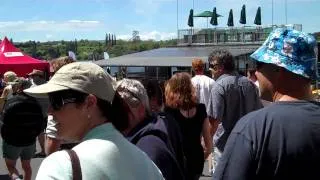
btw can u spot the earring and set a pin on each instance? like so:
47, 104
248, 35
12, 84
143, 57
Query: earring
89, 116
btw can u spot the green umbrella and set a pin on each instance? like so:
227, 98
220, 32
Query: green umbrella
257, 19
230, 18
190, 19
207, 14
214, 17
243, 15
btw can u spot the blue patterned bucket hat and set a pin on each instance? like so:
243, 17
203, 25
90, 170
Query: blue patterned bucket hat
291, 49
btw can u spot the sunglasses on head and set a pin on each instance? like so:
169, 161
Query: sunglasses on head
59, 99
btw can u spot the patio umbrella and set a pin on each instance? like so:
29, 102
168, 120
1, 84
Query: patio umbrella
243, 15
206, 14
190, 19
230, 18
257, 19
214, 18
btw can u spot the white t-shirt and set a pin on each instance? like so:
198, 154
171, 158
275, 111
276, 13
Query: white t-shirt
203, 85
103, 154
51, 130
257, 83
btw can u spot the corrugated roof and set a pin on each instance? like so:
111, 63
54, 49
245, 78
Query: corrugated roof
178, 56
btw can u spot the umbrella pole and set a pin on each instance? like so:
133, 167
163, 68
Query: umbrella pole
215, 34
243, 29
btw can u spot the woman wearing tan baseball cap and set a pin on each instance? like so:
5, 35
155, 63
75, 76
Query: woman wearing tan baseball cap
87, 109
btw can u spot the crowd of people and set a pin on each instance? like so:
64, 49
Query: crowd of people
261, 126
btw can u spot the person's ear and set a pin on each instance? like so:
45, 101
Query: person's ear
91, 101
141, 108
278, 76
221, 67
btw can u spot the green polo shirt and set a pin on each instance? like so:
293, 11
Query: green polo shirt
104, 154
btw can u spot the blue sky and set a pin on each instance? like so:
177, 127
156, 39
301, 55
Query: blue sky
48, 20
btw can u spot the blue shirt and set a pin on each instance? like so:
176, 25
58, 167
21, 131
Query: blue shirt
231, 98
280, 141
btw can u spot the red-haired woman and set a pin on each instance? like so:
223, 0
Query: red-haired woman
182, 104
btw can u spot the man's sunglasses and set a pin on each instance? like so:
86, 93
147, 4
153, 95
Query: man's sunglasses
213, 66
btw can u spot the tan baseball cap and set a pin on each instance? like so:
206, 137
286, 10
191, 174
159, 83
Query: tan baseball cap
80, 76
10, 76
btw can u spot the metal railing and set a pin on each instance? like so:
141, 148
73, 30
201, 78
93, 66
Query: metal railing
232, 35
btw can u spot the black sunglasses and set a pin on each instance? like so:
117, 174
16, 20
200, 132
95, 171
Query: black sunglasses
213, 66
59, 99
58, 103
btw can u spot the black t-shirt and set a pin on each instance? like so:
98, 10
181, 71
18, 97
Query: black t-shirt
22, 120
280, 141
191, 129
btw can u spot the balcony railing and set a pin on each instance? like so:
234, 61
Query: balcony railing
234, 35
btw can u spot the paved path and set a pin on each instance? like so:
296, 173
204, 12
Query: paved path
35, 163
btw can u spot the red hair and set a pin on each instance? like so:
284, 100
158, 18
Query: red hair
179, 92
198, 65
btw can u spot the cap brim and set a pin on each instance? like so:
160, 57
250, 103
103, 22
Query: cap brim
42, 91
265, 56
258, 54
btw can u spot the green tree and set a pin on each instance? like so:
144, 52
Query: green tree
75, 46
106, 40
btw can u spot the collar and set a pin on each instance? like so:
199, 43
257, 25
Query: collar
100, 131
223, 76
140, 126
227, 75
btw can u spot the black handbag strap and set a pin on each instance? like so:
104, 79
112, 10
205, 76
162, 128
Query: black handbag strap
75, 162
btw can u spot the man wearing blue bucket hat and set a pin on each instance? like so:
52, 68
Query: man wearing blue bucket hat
282, 140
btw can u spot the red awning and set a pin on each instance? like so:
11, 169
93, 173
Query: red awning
12, 59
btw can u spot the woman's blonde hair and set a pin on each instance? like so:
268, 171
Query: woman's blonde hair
179, 92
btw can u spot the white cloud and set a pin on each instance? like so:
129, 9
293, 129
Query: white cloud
48, 36
51, 26
153, 35
124, 37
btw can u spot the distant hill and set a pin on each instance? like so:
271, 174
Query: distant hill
88, 49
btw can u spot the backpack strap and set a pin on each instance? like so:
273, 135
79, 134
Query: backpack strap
75, 162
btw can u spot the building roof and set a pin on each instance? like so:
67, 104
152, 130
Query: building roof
177, 56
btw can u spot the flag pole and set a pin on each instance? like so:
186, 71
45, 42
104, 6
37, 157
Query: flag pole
177, 20
193, 11
272, 14
193, 4
286, 11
